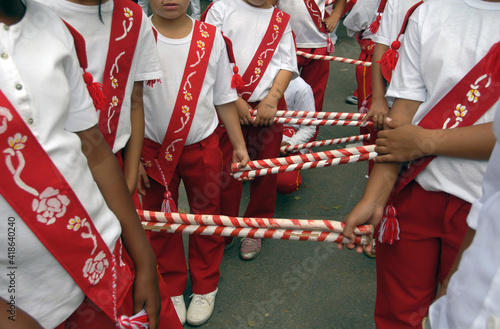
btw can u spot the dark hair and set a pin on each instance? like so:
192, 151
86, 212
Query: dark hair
100, 15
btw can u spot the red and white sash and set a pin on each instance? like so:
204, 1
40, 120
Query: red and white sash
125, 28
264, 53
169, 153
51, 209
315, 13
462, 106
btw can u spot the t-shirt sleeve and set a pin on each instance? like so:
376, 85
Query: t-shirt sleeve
407, 81
383, 35
223, 93
288, 52
82, 113
146, 54
215, 15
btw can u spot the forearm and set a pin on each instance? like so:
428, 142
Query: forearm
378, 80
109, 178
16, 318
134, 145
279, 86
228, 115
338, 9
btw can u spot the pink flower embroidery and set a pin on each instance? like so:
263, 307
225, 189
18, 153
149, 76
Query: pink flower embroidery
95, 268
50, 206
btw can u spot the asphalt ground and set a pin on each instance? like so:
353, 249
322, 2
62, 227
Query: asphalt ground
300, 284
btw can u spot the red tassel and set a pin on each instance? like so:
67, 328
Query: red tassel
389, 60
389, 228
97, 91
168, 204
140, 320
493, 63
373, 28
237, 80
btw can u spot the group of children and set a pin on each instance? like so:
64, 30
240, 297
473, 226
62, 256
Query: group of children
172, 106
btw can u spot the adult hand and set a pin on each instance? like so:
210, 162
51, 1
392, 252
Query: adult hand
378, 112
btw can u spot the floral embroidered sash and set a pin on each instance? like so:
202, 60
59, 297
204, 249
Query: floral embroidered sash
315, 13
462, 106
264, 53
125, 28
51, 209
185, 106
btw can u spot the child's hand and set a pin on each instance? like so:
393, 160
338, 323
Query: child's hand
378, 111
243, 112
147, 294
266, 111
284, 152
240, 156
331, 23
142, 180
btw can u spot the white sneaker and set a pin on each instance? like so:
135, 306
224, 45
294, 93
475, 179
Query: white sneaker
201, 308
180, 307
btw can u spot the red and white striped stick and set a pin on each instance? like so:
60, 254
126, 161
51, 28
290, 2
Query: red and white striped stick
314, 122
306, 165
262, 233
317, 115
326, 142
276, 223
303, 158
333, 58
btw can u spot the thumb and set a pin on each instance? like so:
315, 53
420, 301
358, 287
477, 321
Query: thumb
392, 123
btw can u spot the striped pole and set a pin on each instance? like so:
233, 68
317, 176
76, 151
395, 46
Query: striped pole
314, 122
227, 221
306, 165
326, 142
303, 158
261, 233
333, 58
317, 115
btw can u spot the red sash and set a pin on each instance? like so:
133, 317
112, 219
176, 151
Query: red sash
462, 106
125, 28
315, 13
264, 53
185, 106
50, 208
376, 24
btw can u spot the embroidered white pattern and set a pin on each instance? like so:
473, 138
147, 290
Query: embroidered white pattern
5, 117
129, 16
76, 224
50, 205
95, 268
16, 144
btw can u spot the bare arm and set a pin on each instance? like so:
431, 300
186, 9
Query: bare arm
108, 176
370, 208
379, 107
134, 144
16, 318
266, 110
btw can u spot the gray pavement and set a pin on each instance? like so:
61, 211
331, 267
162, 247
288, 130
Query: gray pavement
297, 284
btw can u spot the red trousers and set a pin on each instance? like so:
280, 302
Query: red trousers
262, 143
315, 73
199, 168
289, 182
433, 225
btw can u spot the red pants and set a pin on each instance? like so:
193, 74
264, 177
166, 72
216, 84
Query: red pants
433, 225
315, 73
289, 182
262, 143
200, 170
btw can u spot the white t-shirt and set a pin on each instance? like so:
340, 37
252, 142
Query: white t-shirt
361, 17
246, 26
145, 65
299, 97
306, 32
42, 79
392, 21
473, 295
160, 99
431, 63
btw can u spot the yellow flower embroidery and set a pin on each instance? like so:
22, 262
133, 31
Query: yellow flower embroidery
168, 156
185, 109
75, 223
200, 44
205, 34
148, 163
257, 71
128, 12
278, 19
276, 28
114, 101
114, 82
17, 142
260, 62
461, 111
188, 96
473, 95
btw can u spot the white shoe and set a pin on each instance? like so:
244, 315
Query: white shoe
201, 308
180, 307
